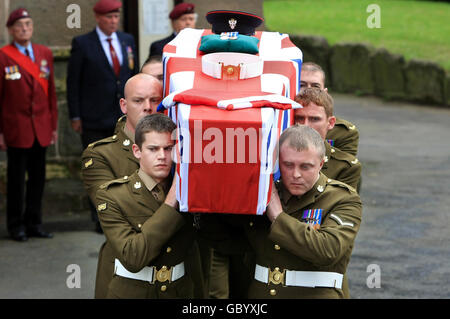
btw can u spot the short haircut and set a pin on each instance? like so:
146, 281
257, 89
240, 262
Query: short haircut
313, 67
301, 138
317, 96
152, 59
157, 122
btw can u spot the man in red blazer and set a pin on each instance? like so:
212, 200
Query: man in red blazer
28, 124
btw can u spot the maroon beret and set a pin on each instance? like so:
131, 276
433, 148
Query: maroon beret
16, 15
180, 9
106, 6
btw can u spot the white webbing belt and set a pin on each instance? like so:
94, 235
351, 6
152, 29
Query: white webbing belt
303, 278
147, 273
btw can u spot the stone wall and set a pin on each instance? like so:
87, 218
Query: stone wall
362, 69
49, 16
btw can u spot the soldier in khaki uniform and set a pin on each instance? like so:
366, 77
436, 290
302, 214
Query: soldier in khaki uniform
112, 157
317, 112
303, 244
148, 237
344, 135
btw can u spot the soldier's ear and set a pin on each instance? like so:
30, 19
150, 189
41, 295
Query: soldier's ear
136, 151
321, 163
331, 122
123, 105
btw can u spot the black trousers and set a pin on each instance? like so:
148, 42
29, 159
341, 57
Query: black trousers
24, 195
88, 137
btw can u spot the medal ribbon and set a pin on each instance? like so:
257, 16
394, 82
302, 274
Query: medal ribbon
26, 63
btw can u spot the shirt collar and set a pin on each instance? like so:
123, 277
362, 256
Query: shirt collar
22, 48
102, 36
149, 182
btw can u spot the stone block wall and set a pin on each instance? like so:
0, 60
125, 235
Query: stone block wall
358, 68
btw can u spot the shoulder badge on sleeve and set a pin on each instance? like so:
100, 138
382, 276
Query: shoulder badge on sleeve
88, 163
340, 221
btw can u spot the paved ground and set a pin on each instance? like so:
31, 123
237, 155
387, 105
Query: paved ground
405, 229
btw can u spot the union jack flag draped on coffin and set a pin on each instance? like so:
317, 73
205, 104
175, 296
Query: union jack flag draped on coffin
230, 109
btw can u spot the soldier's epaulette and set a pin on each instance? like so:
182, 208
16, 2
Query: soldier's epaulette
103, 141
341, 184
348, 125
117, 181
343, 156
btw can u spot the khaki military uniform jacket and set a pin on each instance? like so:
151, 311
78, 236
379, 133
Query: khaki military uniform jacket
293, 244
141, 231
344, 136
341, 166
108, 159
103, 161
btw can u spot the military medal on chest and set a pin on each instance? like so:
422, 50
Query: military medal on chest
130, 57
12, 73
45, 71
313, 217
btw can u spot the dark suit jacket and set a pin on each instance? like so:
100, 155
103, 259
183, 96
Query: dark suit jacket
93, 89
156, 48
26, 111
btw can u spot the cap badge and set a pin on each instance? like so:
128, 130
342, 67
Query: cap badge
25, 13
232, 22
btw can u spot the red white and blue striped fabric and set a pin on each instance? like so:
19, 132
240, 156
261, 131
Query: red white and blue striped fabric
229, 100
228, 130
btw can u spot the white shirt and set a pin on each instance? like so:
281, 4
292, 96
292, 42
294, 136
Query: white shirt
105, 44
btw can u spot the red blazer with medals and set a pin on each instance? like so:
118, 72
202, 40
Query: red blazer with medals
28, 107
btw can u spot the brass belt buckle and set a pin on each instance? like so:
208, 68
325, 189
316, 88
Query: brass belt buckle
162, 275
276, 276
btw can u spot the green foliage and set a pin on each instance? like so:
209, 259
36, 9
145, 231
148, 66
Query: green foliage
415, 29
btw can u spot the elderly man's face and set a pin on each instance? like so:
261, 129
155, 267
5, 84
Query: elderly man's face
187, 20
109, 22
22, 30
299, 169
